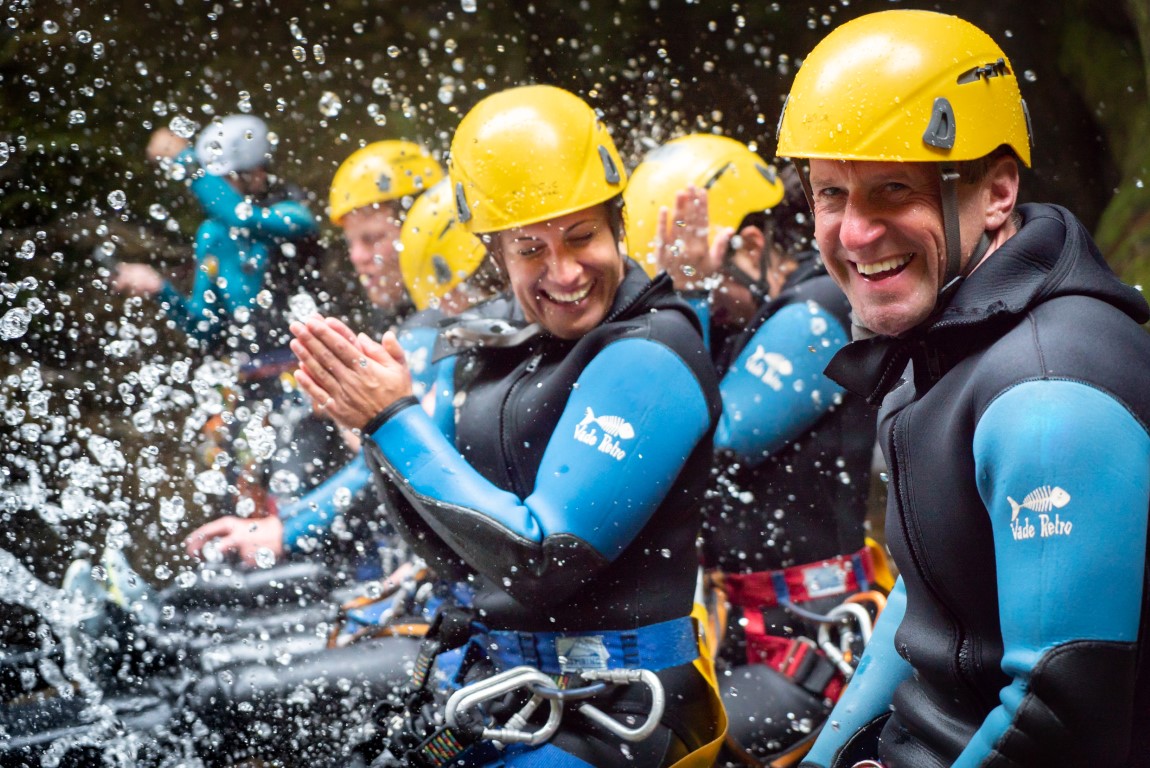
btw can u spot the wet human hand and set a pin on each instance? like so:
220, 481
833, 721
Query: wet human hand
349, 377
136, 280
246, 538
682, 249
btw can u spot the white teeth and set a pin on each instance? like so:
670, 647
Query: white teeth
570, 298
882, 266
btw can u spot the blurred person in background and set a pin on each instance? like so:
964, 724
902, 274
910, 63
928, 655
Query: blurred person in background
784, 537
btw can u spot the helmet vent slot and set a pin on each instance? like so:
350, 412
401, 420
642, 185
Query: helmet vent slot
996, 69
610, 172
940, 132
461, 206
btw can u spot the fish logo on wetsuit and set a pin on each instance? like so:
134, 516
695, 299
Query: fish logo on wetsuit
615, 429
1042, 500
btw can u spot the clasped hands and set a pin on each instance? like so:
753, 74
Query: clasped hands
349, 377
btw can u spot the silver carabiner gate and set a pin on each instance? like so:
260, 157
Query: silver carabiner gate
514, 731
626, 677
841, 616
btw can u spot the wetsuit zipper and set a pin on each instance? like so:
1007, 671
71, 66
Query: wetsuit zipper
963, 660
509, 451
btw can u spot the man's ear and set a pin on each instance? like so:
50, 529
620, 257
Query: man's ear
1000, 192
754, 241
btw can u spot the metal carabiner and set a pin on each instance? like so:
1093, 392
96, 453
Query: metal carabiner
841, 615
485, 690
627, 677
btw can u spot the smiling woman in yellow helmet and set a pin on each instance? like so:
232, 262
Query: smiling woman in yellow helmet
1009, 359
559, 483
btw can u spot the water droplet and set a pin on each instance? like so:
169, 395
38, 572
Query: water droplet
469, 6
246, 507
265, 558
447, 91
157, 212
15, 323
318, 54
330, 104
5, 152
117, 199
284, 482
182, 126
144, 420
265, 299
341, 499
1030, 76
302, 306
77, 117
172, 513
380, 85
84, 36
27, 250
212, 482
299, 53
244, 210
393, 51
50, 27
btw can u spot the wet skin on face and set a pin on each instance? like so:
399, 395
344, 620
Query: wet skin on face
879, 228
371, 234
564, 272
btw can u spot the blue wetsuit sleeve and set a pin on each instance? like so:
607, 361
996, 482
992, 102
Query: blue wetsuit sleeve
613, 457
417, 345
442, 398
199, 313
220, 201
700, 304
1064, 472
871, 689
776, 389
313, 514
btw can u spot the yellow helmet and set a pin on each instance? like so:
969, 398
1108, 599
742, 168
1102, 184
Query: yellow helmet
382, 171
438, 254
738, 183
529, 154
904, 86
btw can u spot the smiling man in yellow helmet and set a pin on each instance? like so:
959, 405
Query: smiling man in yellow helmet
1009, 360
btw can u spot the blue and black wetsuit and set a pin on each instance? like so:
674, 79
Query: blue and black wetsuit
793, 456
563, 485
1017, 515
234, 248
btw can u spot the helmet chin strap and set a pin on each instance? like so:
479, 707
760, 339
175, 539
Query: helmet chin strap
955, 272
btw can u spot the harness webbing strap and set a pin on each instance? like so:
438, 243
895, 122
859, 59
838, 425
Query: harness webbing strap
654, 647
800, 583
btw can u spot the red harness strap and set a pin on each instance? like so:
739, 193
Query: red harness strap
797, 658
839, 575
